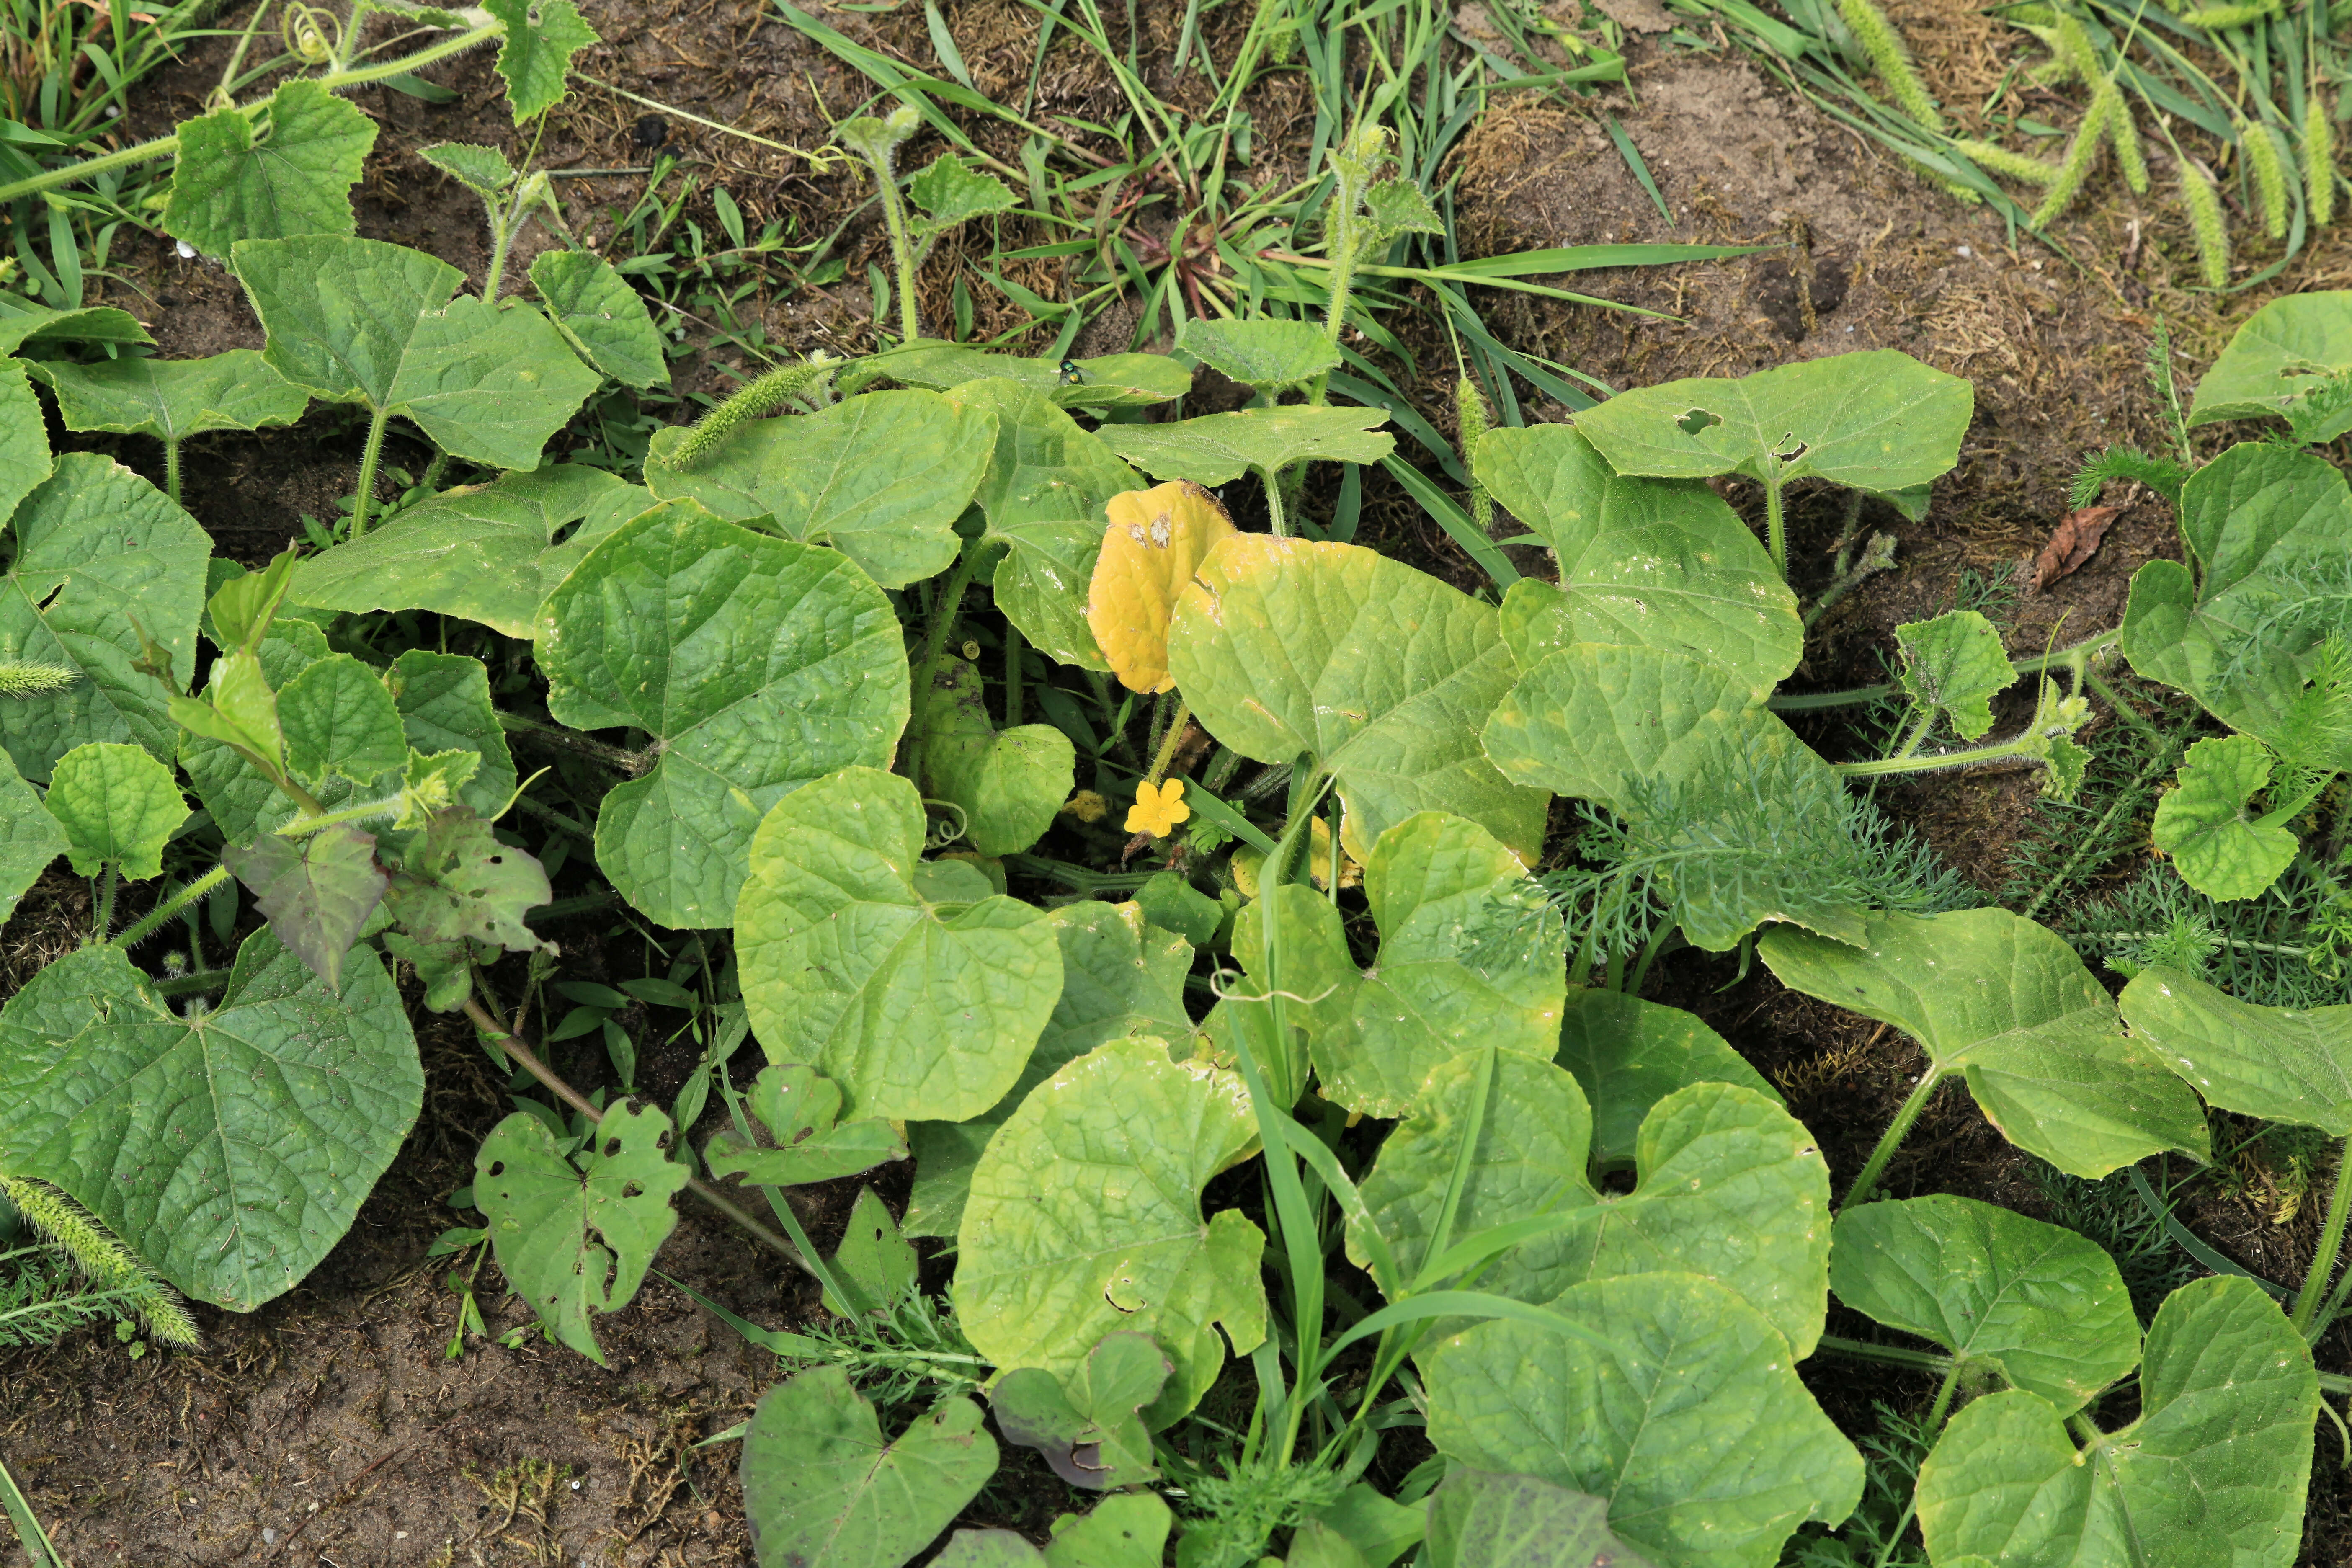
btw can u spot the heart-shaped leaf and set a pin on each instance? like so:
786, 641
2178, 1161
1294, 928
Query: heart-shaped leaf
484, 552
1010, 784
1628, 1055
1730, 1187
876, 1265
1120, 977
357, 321
755, 664
601, 316
29, 837
118, 806
1873, 421
481, 169
2202, 822
337, 717
1955, 664
173, 399
802, 1113
1433, 882
1043, 496
445, 705
948, 193
100, 557
1480, 1519
1113, 380
318, 891
1043, 1272
2281, 1063
575, 1235
2269, 528
2276, 358
914, 1013
1091, 1429
228, 185
1217, 448
2041, 1306
1656, 562
813, 476
1129, 1530
1267, 353
2008, 1002
1156, 540
2213, 1471
822, 1489
1710, 1451
1381, 673
535, 60
236, 1194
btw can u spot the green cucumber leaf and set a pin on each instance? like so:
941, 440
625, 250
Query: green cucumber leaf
1432, 881
481, 169
1730, 1187
1044, 496
601, 316
876, 1265
316, 891
1380, 1530
292, 1098
1710, 1451
1480, 1519
2279, 357
802, 1113
1267, 353
25, 459
1129, 1530
101, 557
2281, 1063
948, 193
1381, 673
1045, 1270
357, 321
535, 59
1217, 448
822, 1489
443, 700
914, 1014
1091, 1429
1878, 420
1114, 381
2213, 1472
2269, 528
1120, 976
815, 476
173, 399
483, 552
338, 718
575, 1235
29, 837
1656, 562
2204, 824
2040, 1305
243, 803
22, 321
1173, 904
228, 186
118, 806
1011, 785
2008, 1002
1955, 664
1628, 1055
455, 882
754, 663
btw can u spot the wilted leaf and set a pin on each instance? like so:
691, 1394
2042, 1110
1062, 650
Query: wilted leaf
1156, 540
311, 1092
457, 883
318, 891
1117, 1242
801, 1112
574, 1239
118, 805
2204, 823
2072, 542
226, 186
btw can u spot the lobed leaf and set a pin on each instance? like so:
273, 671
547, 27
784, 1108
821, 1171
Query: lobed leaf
228, 186
2281, 1063
1010, 784
1954, 664
118, 805
1628, 1055
2204, 824
1217, 448
601, 316
173, 399
535, 59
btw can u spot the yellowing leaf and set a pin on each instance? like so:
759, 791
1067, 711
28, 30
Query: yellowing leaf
1156, 538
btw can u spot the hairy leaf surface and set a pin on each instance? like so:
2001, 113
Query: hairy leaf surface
172, 399
226, 186
2281, 1064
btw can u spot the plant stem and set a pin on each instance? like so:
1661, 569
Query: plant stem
1912, 742
1167, 745
366, 496
107, 880
2123, 709
1014, 646
628, 764
1891, 1355
2015, 749
1274, 504
2331, 1237
172, 469
1890, 1140
571, 1096
154, 919
2073, 657
192, 985
1936, 1414
502, 232
1775, 529
1878, 558
935, 642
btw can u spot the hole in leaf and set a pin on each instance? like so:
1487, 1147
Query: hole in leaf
632, 1189
612, 1147
1696, 420
498, 1167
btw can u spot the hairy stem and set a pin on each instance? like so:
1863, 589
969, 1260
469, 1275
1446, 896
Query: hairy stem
630, 764
374, 448
109, 879
172, 469
1168, 743
2331, 1238
1274, 504
169, 909
1892, 1138
503, 226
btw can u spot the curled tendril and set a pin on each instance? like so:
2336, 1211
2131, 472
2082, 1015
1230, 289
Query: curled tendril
934, 830
1220, 982
312, 36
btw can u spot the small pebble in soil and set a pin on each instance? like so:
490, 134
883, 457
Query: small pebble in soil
188, 251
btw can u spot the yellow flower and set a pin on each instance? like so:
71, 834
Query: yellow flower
1158, 808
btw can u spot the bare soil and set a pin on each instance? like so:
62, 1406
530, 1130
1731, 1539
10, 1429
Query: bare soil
331, 1426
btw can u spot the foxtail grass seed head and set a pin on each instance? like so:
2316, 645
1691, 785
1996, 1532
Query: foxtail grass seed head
2125, 132
2008, 164
2263, 161
767, 391
101, 1259
2318, 160
2081, 154
22, 679
1470, 408
2204, 204
1891, 60
2216, 17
